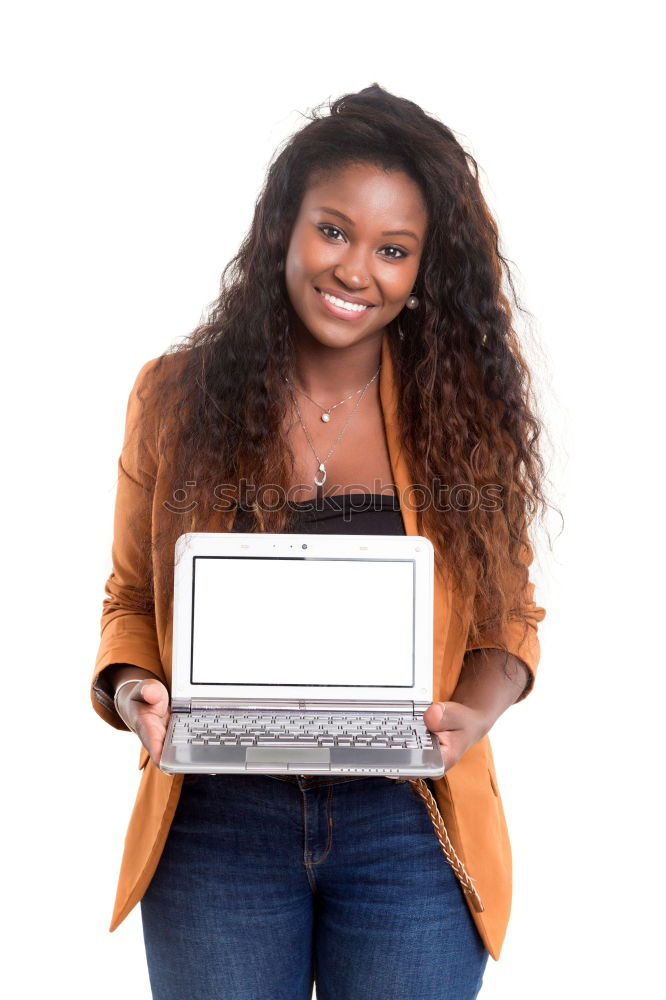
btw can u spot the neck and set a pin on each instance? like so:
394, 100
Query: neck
328, 373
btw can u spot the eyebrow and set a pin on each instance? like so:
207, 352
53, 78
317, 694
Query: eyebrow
389, 232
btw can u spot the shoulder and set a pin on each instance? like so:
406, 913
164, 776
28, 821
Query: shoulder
161, 373
154, 392
156, 387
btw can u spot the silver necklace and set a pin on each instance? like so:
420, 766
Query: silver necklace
326, 411
320, 475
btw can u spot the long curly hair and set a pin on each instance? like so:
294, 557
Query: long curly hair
465, 395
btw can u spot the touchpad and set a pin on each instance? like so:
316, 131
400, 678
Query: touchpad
293, 757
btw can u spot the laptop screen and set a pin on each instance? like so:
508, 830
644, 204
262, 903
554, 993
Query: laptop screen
315, 621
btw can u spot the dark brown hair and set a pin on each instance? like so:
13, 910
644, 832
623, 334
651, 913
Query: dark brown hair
464, 388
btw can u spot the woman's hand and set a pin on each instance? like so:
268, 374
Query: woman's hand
144, 708
457, 727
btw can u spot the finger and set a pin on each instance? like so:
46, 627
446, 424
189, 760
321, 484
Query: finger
443, 716
452, 747
151, 696
152, 733
137, 710
448, 756
150, 691
434, 716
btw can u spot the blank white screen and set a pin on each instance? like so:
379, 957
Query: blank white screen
314, 621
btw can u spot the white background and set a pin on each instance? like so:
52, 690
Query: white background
135, 137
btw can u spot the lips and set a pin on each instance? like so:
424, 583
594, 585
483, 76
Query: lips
345, 296
347, 307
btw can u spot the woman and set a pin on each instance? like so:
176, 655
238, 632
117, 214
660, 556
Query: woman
358, 372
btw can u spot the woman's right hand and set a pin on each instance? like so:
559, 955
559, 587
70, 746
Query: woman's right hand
144, 708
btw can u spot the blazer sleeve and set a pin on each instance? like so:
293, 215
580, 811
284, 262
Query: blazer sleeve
519, 636
128, 632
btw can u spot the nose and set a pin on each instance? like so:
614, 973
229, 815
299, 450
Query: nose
353, 270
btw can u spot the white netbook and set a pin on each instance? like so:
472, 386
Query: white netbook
302, 654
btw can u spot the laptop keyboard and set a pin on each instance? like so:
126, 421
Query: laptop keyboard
296, 729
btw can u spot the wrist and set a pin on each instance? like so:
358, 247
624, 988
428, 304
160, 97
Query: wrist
123, 691
123, 684
483, 721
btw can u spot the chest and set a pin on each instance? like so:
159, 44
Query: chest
356, 458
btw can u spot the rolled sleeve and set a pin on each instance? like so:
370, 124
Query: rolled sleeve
519, 636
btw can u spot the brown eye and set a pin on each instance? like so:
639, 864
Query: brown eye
327, 230
394, 256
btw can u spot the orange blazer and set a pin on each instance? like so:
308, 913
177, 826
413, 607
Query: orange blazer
467, 795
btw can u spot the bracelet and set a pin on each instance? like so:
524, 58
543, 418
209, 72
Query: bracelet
131, 680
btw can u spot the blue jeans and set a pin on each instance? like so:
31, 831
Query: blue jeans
268, 884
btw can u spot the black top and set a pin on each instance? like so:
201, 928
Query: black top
339, 514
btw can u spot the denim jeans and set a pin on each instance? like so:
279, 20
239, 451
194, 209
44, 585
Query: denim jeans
268, 884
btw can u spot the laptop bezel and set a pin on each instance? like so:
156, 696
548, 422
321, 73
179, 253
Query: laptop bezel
413, 547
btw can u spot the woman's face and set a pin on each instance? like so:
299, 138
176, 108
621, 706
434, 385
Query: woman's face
354, 253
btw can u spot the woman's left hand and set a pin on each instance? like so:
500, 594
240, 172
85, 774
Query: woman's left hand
457, 727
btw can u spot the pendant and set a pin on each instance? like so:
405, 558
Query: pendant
326, 416
320, 482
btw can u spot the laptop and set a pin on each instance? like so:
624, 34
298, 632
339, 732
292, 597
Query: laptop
302, 654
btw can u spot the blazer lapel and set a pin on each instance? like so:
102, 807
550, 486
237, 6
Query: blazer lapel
388, 396
444, 678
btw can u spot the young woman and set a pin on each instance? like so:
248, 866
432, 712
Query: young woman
359, 372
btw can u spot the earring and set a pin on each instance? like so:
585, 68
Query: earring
281, 265
412, 302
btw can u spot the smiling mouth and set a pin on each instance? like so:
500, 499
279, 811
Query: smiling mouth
352, 307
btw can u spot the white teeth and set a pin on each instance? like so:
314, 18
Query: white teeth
349, 306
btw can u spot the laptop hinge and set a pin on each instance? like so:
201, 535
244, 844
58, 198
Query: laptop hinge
287, 705
360, 706
247, 704
181, 705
